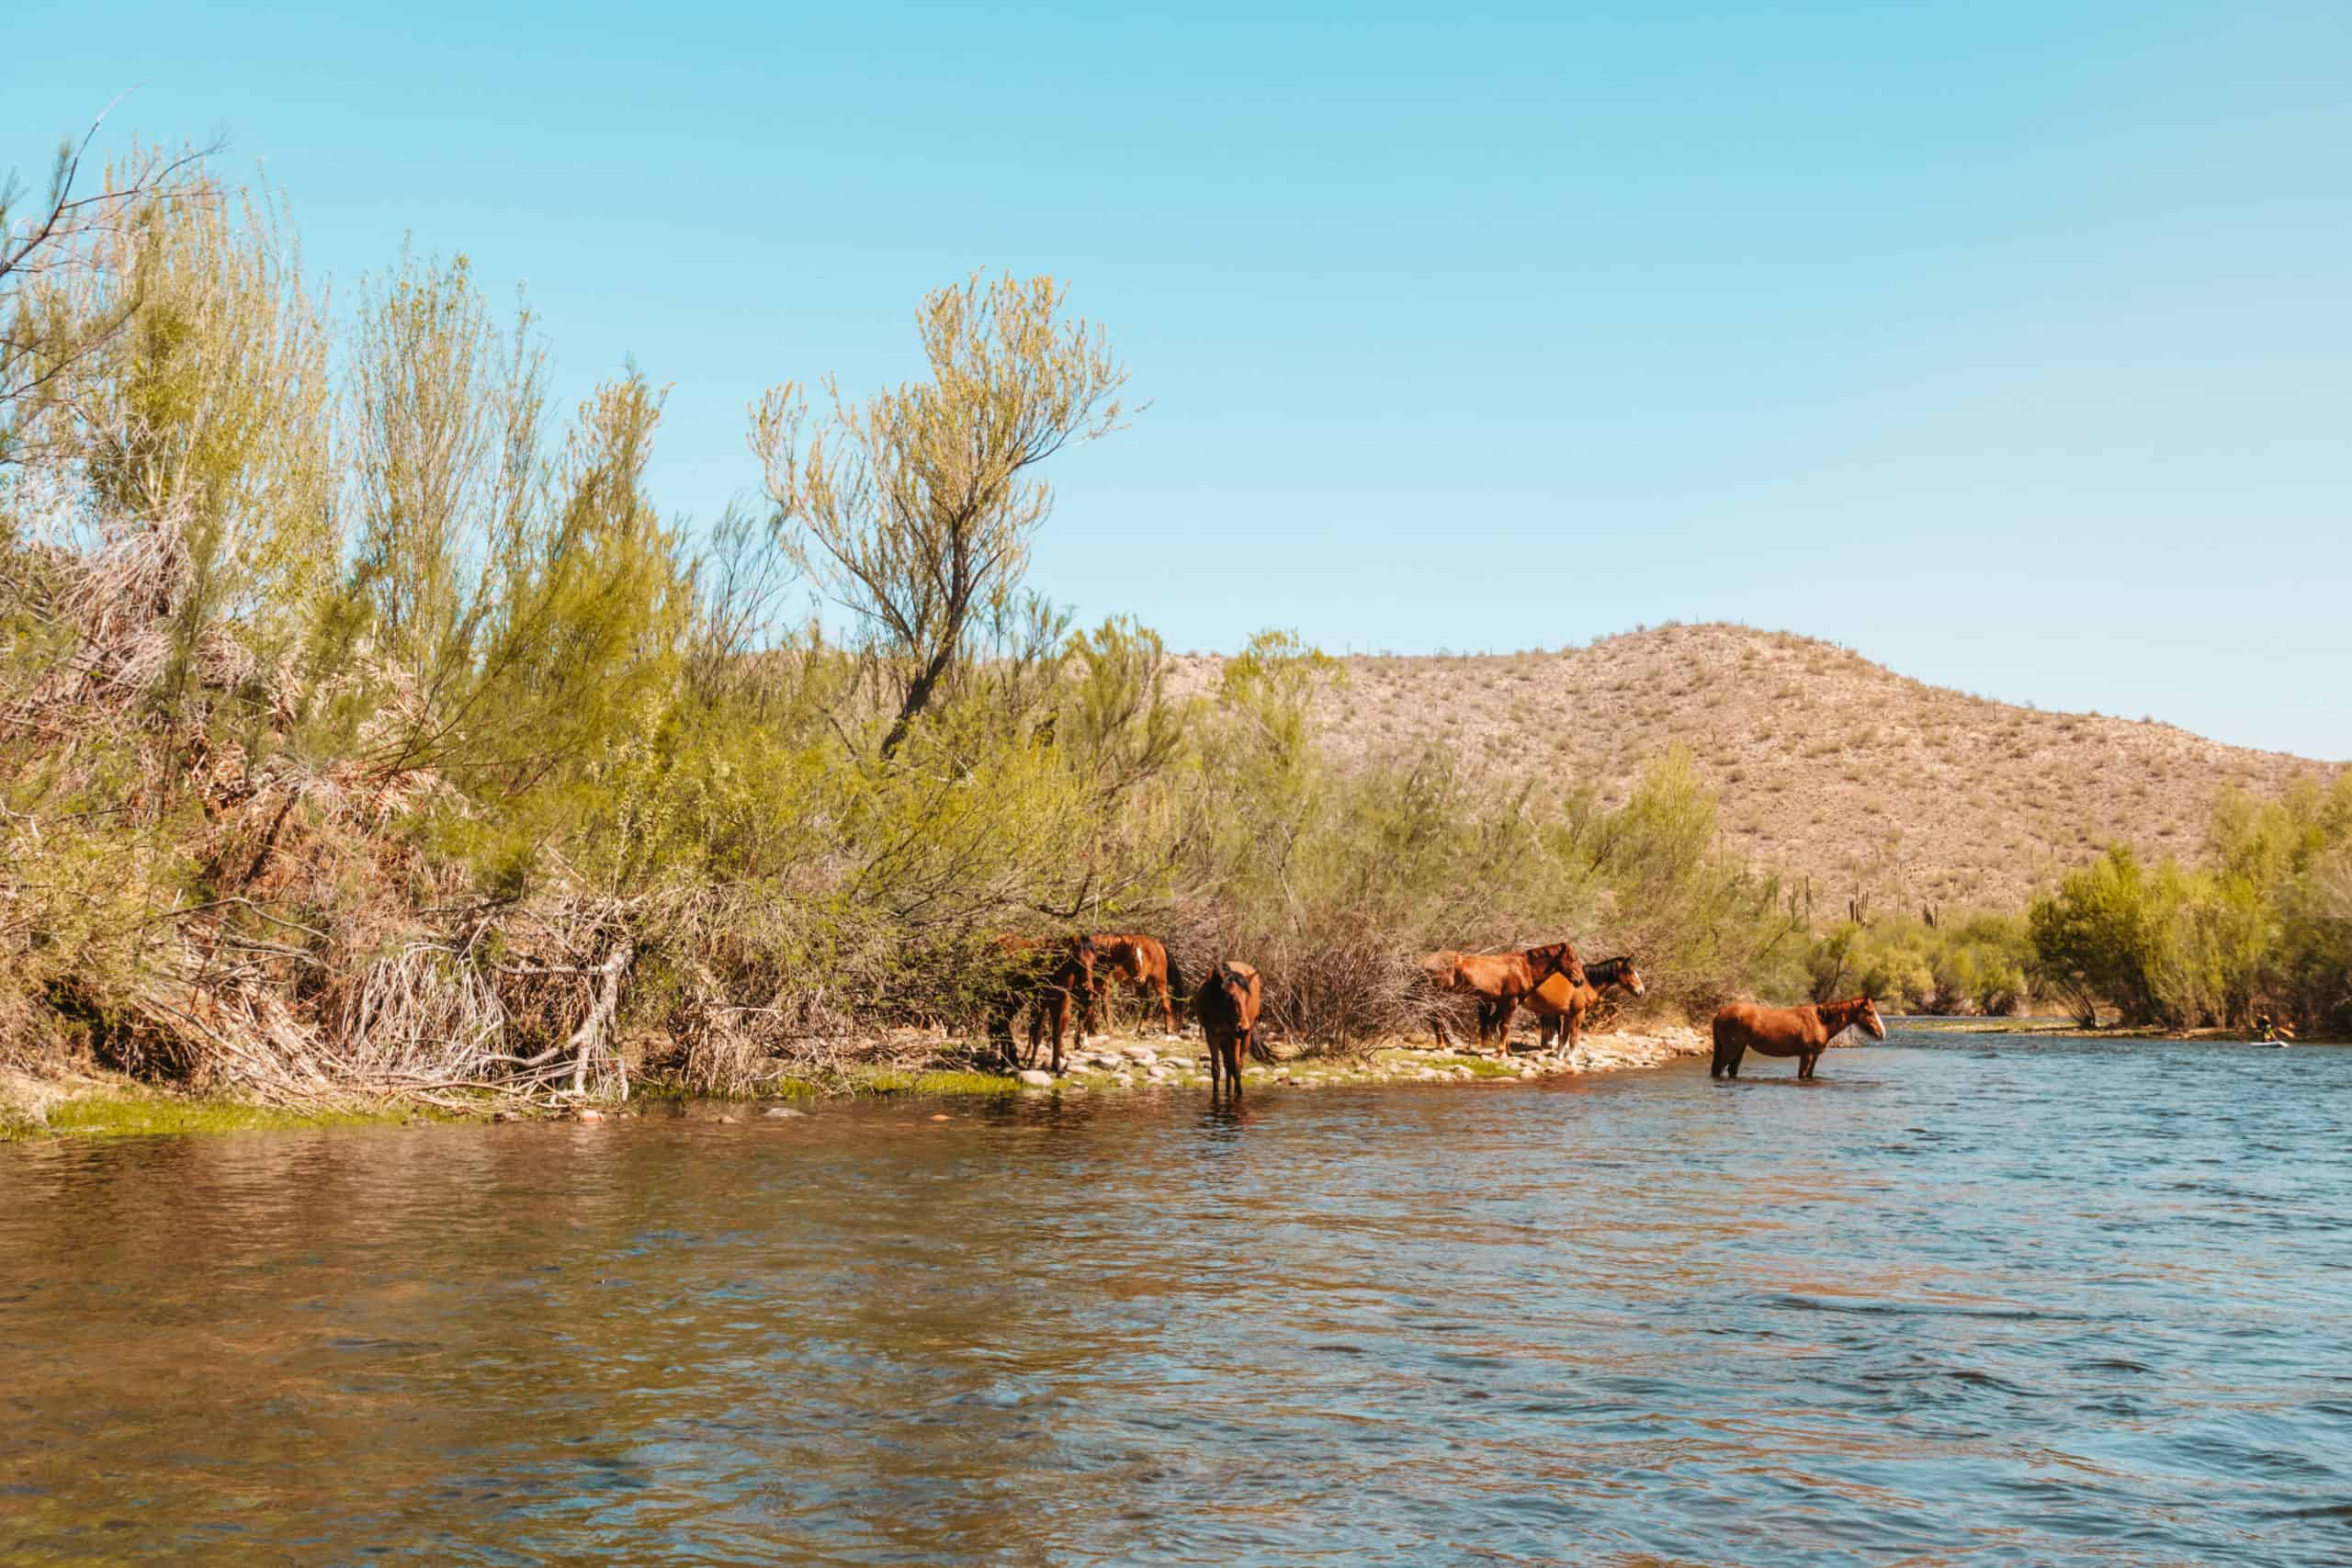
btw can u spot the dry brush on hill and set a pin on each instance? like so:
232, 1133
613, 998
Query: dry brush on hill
1878, 793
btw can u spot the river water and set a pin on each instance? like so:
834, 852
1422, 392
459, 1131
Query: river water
1957, 1302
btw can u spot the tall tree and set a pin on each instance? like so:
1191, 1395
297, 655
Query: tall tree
915, 511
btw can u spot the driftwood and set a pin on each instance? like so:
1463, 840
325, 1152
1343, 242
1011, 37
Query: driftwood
595, 1030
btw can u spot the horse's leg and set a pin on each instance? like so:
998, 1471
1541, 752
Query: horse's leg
1237, 1046
1738, 1050
1167, 1004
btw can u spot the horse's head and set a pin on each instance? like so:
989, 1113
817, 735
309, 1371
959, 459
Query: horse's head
1556, 958
1631, 977
1230, 982
1082, 953
1868, 1017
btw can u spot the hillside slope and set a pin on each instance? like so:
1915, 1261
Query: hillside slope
1829, 767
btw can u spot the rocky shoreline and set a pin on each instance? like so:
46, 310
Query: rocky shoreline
103, 1105
1175, 1063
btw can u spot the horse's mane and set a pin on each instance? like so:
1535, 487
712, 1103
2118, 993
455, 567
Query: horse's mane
1607, 971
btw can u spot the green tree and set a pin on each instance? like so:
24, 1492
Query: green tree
915, 512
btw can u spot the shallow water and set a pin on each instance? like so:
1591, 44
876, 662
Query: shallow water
1961, 1303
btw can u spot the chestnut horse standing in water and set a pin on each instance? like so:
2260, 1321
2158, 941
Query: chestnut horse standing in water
1045, 976
1804, 1032
1500, 980
1560, 1004
1142, 962
1227, 1005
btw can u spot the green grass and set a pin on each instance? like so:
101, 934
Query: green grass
1482, 1067
945, 1081
142, 1113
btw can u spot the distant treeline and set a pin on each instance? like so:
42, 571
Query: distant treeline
2260, 929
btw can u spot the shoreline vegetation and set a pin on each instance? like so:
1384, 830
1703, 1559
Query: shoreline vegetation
104, 1105
370, 736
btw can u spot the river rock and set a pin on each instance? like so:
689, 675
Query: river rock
1142, 1056
592, 1115
1036, 1077
782, 1111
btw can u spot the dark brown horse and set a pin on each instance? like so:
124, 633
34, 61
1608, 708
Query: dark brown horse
1560, 1004
1500, 980
1048, 978
1141, 962
1227, 1005
1804, 1032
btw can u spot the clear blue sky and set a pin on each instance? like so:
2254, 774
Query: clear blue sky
2009, 343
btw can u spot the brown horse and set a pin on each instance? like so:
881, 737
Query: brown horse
1227, 1005
1048, 978
1499, 980
1560, 1004
1142, 962
1804, 1032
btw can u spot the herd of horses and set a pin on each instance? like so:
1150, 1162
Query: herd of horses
1059, 982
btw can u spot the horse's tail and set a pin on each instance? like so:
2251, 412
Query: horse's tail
1176, 993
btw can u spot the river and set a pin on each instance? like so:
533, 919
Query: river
1960, 1302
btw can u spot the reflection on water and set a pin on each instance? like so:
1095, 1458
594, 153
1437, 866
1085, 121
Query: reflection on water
2058, 1305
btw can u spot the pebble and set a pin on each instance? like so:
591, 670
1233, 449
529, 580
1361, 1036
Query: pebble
940, 1116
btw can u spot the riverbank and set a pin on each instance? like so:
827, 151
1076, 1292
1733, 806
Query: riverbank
2066, 1029
96, 1104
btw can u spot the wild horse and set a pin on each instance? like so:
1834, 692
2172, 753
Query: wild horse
1560, 1004
1499, 981
1141, 962
1047, 976
1227, 1005
1804, 1032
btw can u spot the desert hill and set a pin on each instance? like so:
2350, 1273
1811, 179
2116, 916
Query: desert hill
1829, 767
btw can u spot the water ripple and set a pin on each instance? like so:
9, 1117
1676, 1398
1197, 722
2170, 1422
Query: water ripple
2058, 1305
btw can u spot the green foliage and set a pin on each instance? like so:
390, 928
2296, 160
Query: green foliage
915, 512
1705, 927
1976, 963
2264, 927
